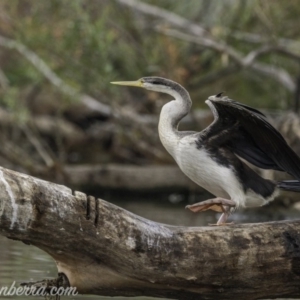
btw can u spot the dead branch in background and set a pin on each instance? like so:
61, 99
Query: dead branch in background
88, 102
130, 177
91, 105
265, 49
166, 15
255, 38
39, 147
248, 61
197, 29
47, 126
195, 33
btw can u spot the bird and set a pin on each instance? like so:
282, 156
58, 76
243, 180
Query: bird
216, 157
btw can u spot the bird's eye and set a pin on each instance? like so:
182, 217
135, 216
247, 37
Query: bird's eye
155, 82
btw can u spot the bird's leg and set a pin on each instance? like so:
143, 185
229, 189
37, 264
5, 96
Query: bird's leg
217, 204
222, 220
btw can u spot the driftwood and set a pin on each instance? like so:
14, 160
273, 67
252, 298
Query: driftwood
103, 249
130, 177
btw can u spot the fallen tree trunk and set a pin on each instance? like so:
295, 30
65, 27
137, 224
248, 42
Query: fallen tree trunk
129, 177
105, 250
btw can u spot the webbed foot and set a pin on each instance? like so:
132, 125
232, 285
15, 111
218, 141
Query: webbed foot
217, 204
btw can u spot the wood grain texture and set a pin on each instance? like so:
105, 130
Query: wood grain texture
106, 250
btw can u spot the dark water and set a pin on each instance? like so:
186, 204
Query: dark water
20, 262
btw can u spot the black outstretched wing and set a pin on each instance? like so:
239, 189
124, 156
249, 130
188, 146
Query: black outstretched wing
250, 136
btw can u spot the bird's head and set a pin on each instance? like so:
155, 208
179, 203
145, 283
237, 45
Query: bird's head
156, 84
176, 110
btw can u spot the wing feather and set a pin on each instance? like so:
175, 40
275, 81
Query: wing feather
254, 138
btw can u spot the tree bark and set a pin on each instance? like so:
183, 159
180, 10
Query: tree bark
105, 250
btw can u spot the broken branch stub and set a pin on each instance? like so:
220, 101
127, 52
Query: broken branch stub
103, 249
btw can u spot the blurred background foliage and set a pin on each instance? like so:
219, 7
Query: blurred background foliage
88, 44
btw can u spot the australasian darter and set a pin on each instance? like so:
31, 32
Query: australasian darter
211, 158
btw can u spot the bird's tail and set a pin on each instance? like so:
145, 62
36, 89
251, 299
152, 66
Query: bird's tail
289, 185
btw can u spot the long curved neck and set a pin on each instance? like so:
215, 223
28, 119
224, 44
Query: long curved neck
170, 116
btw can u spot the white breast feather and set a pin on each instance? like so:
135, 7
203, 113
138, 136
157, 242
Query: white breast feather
199, 167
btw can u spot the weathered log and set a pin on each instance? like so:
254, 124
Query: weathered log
129, 177
47, 126
103, 249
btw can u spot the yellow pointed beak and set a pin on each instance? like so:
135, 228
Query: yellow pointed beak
137, 83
